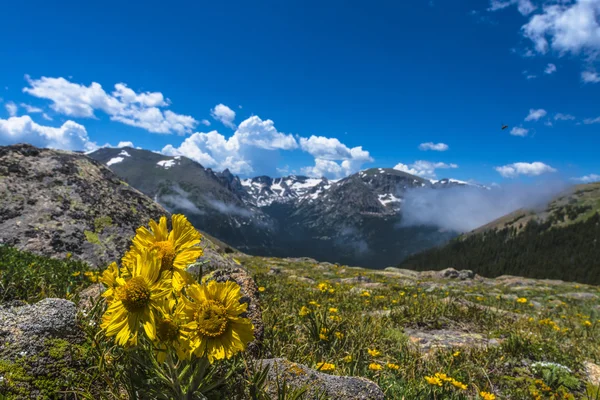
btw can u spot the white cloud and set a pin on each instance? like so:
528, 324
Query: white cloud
70, 136
11, 108
205, 122
587, 178
125, 144
519, 131
566, 27
433, 146
525, 7
325, 148
47, 117
524, 168
224, 114
425, 169
550, 69
256, 132
252, 147
329, 150
590, 77
535, 115
563, 117
529, 76
123, 104
589, 121
31, 109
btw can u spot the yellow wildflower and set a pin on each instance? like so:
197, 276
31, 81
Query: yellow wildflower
314, 303
333, 310
393, 366
323, 287
457, 384
323, 366
177, 249
522, 300
339, 335
109, 279
456, 354
331, 291
374, 352
215, 328
261, 289
136, 300
587, 323
487, 396
365, 294
432, 380
304, 311
76, 273
347, 359
375, 367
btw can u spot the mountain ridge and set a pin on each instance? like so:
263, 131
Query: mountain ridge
353, 220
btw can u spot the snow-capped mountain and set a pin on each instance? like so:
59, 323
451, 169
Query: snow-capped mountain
354, 220
264, 191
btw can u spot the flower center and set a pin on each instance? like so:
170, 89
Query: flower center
167, 330
135, 295
212, 319
167, 254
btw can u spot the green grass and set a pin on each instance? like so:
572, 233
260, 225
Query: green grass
28, 277
341, 323
551, 332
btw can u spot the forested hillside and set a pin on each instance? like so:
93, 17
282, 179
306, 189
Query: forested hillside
560, 242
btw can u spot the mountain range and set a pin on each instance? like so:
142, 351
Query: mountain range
355, 220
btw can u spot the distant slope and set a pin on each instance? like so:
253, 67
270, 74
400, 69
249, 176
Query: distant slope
561, 241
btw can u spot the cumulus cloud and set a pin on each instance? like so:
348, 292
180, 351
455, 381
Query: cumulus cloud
563, 117
253, 146
590, 77
205, 122
47, 117
433, 146
11, 108
525, 7
535, 115
224, 114
550, 69
125, 144
523, 168
519, 131
142, 110
566, 27
425, 169
70, 136
328, 152
587, 178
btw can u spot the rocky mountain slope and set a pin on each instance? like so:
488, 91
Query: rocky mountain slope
560, 241
355, 220
58, 202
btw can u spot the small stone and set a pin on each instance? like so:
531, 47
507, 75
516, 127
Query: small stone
592, 372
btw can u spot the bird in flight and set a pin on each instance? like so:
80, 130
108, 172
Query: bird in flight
504, 126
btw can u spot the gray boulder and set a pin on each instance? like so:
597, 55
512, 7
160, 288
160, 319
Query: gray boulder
318, 383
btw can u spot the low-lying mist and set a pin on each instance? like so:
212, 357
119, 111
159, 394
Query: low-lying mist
464, 208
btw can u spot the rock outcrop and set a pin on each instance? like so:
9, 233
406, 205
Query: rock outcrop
326, 386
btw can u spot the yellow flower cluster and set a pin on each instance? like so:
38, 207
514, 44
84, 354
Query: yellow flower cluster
153, 290
487, 396
550, 323
521, 300
439, 378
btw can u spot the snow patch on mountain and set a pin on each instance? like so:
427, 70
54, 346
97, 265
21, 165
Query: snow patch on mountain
114, 160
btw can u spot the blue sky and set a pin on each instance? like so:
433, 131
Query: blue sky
316, 87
